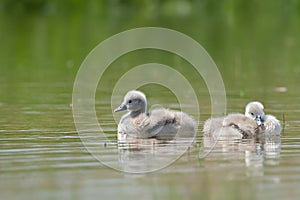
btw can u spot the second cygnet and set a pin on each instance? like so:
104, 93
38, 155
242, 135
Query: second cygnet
254, 122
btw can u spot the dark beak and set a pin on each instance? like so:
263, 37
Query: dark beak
259, 120
121, 108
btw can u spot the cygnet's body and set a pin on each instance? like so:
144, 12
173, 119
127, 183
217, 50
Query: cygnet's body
234, 125
254, 122
159, 123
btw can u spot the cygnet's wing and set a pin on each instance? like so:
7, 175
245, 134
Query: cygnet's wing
160, 120
244, 124
215, 130
172, 124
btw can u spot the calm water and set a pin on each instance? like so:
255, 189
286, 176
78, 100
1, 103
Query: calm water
255, 46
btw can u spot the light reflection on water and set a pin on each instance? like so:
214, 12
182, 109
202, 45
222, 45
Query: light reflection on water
41, 152
56, 163
150, 155
256, 152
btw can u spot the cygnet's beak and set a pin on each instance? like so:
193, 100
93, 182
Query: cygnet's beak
259, 120
121, 108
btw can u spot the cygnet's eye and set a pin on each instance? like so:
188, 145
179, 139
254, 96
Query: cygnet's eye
252, 114
130, 101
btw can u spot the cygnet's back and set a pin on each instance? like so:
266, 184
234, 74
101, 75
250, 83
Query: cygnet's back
233, 126
159, 123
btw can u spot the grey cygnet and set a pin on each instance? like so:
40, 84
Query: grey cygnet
254, 122
158, 123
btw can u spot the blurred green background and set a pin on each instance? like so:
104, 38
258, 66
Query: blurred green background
46, 40
255, 44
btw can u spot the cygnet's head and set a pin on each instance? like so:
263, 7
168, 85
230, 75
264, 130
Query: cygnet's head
134, 101
255, 111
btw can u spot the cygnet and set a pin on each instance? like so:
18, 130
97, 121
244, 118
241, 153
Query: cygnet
254, 122
269, 123
158, 123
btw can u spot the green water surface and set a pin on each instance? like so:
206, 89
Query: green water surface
255, 44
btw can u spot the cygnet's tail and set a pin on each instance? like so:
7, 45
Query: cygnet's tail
187, 125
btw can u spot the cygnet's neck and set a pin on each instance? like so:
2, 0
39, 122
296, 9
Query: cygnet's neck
138, 112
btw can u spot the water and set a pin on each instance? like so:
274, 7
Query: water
42, 46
